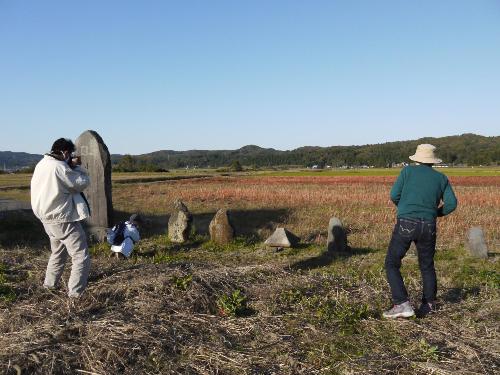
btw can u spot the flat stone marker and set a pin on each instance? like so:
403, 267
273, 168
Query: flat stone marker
282, 238
220, 228
476, 243
97, 161
337, 237
180, 223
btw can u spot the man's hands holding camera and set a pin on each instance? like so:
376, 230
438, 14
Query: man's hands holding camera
74, 161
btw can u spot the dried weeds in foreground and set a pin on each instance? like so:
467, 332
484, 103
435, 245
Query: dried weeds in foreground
135, 319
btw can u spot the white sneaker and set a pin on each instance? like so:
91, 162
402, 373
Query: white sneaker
403, 310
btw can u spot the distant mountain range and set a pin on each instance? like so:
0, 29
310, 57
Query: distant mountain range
465, 149
17, 160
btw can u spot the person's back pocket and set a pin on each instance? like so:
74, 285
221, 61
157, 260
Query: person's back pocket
406, 228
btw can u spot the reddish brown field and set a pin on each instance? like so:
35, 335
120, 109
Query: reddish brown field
362, 203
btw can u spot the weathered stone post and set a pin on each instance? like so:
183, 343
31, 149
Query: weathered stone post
180, 223
97, 161
337, 237
220, 228
476, 243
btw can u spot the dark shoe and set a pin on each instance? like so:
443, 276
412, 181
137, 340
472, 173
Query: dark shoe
426, 309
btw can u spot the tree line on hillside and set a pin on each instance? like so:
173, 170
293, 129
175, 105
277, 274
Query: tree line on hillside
467, 149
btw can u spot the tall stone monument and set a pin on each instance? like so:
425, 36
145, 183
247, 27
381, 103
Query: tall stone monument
97, 161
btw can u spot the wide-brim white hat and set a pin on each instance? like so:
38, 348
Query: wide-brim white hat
425, 154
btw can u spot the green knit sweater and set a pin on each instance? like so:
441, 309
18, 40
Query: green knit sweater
419, 191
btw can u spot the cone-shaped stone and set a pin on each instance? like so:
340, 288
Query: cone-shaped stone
97, 161
282, 238
220, 228
476, 243
337, 237
179, 223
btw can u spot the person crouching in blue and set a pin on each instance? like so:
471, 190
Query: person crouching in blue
126, 235
421, 194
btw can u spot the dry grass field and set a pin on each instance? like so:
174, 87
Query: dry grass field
200, 308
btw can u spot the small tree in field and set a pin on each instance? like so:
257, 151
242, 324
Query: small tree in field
127, 164
236, 166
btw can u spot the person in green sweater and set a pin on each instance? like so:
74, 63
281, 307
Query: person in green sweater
421, 194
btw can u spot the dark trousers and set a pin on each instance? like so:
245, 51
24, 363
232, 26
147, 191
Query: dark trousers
423, 233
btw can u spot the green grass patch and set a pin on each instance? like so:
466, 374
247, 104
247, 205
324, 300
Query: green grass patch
318, 307
17, 179
234, 304
238, 243
468, 276
100, 249
22, 195
7, 293
182, 282
165, 257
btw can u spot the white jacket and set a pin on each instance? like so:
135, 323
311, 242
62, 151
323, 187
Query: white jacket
55, 192
131, 236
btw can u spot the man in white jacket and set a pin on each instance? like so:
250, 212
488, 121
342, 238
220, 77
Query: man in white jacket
57, 200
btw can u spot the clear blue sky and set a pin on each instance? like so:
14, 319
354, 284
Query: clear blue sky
151, 75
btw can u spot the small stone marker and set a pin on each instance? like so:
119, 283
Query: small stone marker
337, 237
282, 238
476, 243
97, 161
180, 223
220, 228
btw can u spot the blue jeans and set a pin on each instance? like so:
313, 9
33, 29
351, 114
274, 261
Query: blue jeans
423, 233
